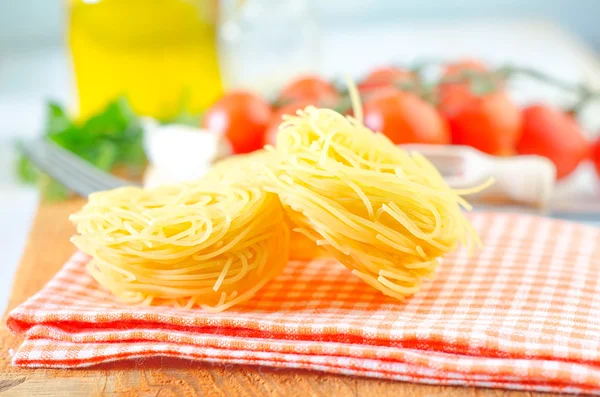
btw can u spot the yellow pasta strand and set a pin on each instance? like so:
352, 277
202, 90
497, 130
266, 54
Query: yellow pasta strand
330, 187
250, 169
202, 243
384, 213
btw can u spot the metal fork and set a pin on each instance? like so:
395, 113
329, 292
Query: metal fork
68, 168
84, 179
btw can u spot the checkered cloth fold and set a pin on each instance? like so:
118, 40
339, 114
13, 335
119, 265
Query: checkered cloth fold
524, 313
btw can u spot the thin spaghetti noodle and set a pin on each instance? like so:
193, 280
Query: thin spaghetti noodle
251, 169
213, 245
384, 213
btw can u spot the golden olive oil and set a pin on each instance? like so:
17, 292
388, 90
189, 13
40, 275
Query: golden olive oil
161, 54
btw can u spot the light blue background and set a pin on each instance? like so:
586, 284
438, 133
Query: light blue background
33, 23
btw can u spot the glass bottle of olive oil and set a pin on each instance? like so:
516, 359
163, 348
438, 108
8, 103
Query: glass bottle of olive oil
161, 54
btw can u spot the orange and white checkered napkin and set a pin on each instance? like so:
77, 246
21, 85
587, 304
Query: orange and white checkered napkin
523, 314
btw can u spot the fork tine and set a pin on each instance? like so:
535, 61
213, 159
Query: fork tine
78, 177
72, 171
97, 179
57, 172
82, 168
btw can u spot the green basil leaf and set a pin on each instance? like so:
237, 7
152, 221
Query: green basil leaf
110, 138
57, 120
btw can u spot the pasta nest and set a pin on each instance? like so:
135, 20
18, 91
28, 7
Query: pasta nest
202, 243
384, 213
251, 169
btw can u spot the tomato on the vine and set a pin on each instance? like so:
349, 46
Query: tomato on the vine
242, 117
595, 152
554, 134
490, 123
313, 88
383, 77
277, 118
452, 96
455, 68
404, 118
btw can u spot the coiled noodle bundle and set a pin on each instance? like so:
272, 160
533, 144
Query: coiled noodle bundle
250, 169
384, 213
199, 243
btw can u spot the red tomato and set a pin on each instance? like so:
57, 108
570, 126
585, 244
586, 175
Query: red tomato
553, 134
596, 156
386, 76
491, 123
242, 117
404, 118
277, 118
454, 96
311, 88
456, 68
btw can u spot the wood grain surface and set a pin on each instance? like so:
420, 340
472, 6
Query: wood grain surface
48, 248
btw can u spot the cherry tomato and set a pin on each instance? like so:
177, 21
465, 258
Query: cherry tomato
242, 117
453, 96
404, 118
553, 134
595, 152
277, 118
458, 67
387, 76
491, 123
312, 88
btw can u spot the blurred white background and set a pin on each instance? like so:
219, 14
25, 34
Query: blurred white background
40, 22
557, 36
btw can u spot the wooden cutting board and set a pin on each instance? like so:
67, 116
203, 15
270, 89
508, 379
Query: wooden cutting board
49, 247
